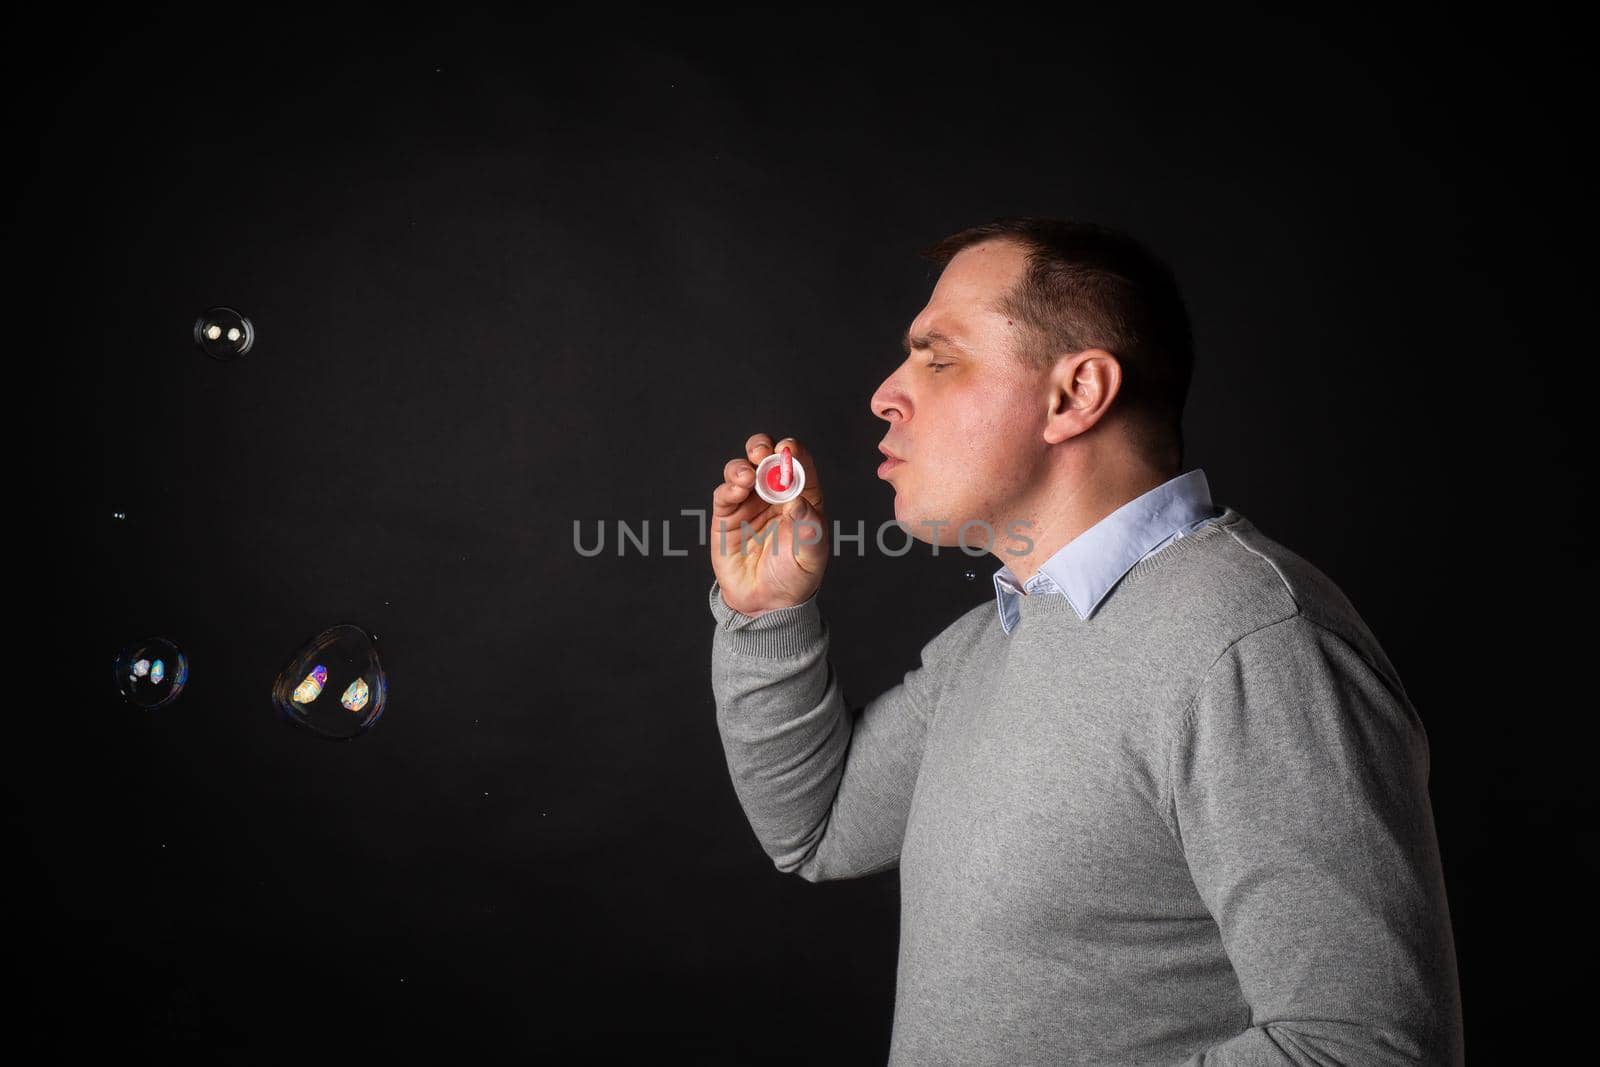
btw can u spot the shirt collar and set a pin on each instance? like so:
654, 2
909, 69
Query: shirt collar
1085, 568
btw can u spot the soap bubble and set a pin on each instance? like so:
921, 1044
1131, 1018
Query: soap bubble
223, 333
150, 673
334, 686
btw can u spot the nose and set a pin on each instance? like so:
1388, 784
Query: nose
890, 401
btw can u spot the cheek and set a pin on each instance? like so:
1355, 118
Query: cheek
1004, 450
973, 475
994, 444
975, 453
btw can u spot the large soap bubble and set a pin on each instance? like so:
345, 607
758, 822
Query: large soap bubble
150, 673
334, 686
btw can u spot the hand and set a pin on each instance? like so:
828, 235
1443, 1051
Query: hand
777, 558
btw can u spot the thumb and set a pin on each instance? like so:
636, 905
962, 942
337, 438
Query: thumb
799, 508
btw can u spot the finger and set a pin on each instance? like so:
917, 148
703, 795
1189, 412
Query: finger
758, 447
739, 472
813, 489
737, 502
728, 499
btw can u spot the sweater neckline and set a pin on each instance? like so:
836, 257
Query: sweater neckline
1182, 548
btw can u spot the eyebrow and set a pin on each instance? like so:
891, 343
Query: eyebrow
931, 339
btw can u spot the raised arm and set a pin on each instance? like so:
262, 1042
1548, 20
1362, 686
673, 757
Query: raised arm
826, 789
1299, 788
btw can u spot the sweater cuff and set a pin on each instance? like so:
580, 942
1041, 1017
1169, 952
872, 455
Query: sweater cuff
785, 632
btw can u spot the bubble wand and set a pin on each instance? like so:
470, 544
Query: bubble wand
780, 478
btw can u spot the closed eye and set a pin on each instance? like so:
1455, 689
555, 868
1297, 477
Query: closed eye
937, 366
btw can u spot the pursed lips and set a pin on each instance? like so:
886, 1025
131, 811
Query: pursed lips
891, 461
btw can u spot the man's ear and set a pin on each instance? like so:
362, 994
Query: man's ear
1079, 392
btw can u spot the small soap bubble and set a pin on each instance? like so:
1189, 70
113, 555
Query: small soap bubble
972, 575
119, 515
150, 673
223, 333
341, 659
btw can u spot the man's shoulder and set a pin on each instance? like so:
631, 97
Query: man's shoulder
1260, 581
966, 631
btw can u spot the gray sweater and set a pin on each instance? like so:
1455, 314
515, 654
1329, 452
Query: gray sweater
1193, 828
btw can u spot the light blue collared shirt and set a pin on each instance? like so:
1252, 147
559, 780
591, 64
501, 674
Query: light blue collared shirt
1086, 568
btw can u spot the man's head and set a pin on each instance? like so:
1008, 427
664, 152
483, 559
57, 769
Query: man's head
1041, 337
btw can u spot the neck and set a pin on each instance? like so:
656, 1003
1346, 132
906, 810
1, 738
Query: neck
1071, 495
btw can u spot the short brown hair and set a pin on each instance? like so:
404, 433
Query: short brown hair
1090, 286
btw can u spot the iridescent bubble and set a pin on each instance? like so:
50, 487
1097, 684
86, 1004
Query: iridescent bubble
150, 673
344, 660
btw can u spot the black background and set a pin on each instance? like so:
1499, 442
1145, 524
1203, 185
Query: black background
514, 270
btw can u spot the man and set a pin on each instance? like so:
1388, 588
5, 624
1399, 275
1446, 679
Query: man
1165, 799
